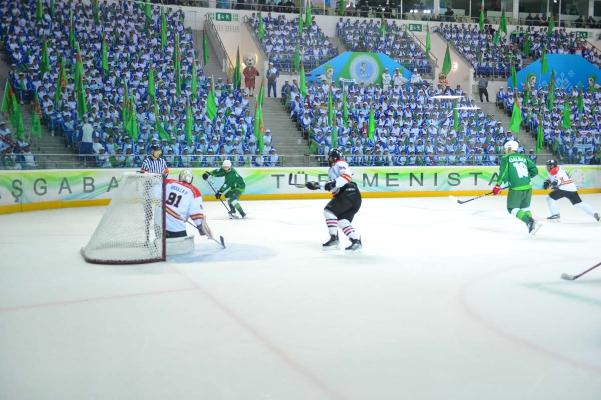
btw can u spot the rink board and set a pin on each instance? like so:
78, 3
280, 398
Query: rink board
44, 189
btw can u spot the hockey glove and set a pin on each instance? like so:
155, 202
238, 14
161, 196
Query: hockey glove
201, 230
205, 176
546, 184
312, 185
330, 185
218, 195
554, 185
496, 190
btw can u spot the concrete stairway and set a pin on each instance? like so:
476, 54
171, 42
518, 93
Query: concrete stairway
526, 139
214, 66
287, 139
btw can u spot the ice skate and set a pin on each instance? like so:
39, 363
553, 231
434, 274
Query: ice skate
597, 217
355, 245
332, 243
554, 218
533, 227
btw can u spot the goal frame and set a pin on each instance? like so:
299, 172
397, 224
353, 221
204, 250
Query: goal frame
162, 257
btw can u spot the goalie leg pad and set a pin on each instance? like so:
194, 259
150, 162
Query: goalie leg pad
180, 245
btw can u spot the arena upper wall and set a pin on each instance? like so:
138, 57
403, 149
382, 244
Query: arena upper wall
46, 189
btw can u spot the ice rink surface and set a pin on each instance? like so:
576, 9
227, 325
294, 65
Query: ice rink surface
445, 301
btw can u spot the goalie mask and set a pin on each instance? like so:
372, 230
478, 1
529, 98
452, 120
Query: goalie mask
186, 176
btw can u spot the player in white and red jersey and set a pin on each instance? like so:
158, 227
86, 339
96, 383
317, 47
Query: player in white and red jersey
346, 201
182, 201
563, 186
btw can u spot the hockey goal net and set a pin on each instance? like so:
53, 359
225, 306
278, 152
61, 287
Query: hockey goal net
132, 229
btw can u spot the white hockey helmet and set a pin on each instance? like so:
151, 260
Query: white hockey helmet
186, 176
511, 145
226, 164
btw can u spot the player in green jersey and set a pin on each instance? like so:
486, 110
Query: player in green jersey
233, 186
516, 170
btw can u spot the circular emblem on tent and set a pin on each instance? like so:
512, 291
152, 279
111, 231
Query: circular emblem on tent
364, 69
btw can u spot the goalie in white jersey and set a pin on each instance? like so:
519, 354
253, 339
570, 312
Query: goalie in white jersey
183, 200
563, 186
341, 210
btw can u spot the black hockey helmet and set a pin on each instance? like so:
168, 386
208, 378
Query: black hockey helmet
551, 164
334, 155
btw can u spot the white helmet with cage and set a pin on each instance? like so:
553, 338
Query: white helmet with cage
511, 145
227, 164
186, 176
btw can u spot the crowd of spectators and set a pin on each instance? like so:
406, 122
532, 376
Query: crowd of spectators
14, 153
579, 143
282, 40
369, 35
413, 125
133, 42
479, 48
559, 42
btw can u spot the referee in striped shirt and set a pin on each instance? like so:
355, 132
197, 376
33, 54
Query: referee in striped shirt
154, 163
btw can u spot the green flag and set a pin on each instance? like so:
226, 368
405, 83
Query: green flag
503, 24
258, 127
496, 39
261, 32
371, 126
158, 124
194, 83
526, 47
82, 105
455, 116
95, 12
296, 60
300, 24
177, 67
36, 124
133, 120
44, 64
211, 105
163, 29
514, 77
72, 38
341, 7
540, 136
205, 48
39, 10
383, 27
16, 118
481, 19
550, 26
428, 41
331, 114
151, 88
344, 110
301, 81
237, 78
446, 64
566, 121
308, 18
104, 58
544, 66
61, 82
148, 10
334, 135
189, 124
580, 99
6, 98
551, 94
516, 117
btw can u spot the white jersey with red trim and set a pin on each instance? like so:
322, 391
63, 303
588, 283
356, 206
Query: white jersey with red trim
563, 180
341, 173
182, 201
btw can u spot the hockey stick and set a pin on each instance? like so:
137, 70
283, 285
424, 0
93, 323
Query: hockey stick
222, 202
573, 277
292, 182
477, 197
209, 235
